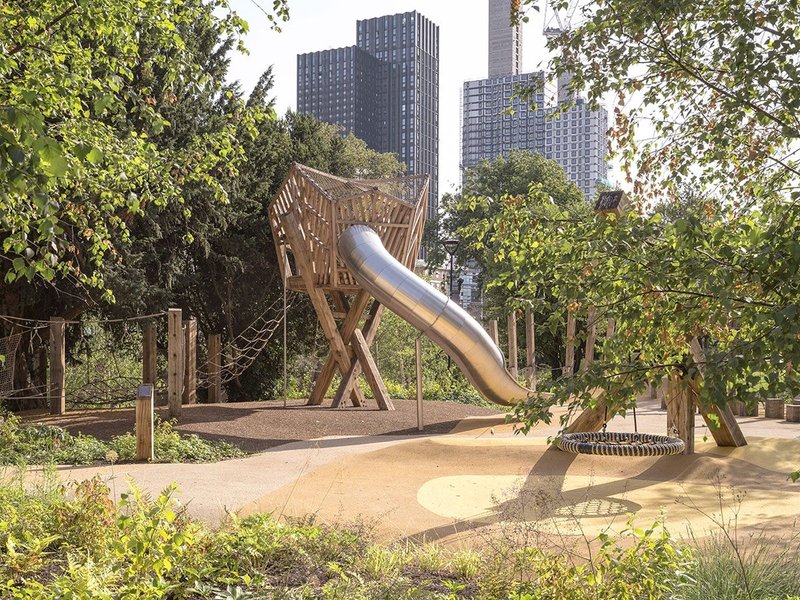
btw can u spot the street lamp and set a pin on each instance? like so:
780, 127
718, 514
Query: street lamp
450, 246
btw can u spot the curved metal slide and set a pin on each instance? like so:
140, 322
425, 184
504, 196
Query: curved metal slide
431, 312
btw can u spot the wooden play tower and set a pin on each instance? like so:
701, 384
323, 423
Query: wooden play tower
307, 216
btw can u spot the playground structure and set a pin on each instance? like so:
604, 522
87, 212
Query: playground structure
338, 237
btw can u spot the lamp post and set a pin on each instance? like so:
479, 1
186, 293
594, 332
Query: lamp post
450, 246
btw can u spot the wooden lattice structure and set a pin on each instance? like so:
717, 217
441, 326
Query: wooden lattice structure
307, 215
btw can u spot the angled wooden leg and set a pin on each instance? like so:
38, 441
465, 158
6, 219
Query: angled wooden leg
294, 234
329, 368
351, 380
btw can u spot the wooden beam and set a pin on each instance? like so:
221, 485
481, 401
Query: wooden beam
174, 362
214, 368
680, 410
512, 344
58, 366
329, 368
728, 432
371, 371
494, 332
569, 358
295, 236
350, 381
190, 361
591, 419
591, 337
530, 349
149, 353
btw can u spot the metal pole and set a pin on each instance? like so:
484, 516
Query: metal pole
450, 297
285, 336
418, 352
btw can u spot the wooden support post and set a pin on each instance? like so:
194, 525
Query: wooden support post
591, 337
569, 358
680, 410
728, 432
370, 370
58, 367
512, 343
144, 422
329, 368
190, 362
214, 368
294, 234
591, 419
174, 362
350, 380
530, 349
418, 356
149, 353
494, 332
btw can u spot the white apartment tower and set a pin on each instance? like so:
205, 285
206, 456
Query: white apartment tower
505, 41
576, 139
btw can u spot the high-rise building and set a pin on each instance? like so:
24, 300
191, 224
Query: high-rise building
505, 41
493, 122
385, 90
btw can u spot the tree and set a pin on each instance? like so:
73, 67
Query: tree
77, 154
486, 187
717, 83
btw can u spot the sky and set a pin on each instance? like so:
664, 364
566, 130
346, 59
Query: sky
323, 24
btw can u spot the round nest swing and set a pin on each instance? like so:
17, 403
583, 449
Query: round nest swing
614, 443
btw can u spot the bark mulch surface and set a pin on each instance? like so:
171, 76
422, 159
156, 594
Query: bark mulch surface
257, 426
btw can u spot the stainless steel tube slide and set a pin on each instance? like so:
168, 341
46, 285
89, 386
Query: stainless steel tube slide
428, 310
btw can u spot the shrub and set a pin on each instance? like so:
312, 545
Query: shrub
43, 444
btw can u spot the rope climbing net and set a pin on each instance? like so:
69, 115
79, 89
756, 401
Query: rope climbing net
615, 443
245, 348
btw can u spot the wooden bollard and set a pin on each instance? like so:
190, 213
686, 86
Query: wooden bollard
144, 422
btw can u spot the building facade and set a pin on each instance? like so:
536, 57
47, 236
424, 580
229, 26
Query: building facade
385, 90
557, 125
505, 42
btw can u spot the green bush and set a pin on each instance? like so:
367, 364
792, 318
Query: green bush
73, 542
43, 444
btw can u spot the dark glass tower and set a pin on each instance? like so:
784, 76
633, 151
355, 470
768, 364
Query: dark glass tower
385, 89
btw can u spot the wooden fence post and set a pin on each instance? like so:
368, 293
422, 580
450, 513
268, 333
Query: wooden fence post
144, 422
512, 343
494, 332
591, 337
58, 398
190, 362
149, 353
174, 362
569, 358
530, 348
214, 367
